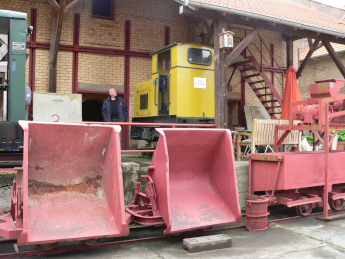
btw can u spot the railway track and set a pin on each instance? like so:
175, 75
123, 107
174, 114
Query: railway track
128, 242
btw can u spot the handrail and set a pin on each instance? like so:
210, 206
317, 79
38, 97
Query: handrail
262, 57
272, 55
173, 125
261, 40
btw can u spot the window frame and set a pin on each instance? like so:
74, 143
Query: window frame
112, 12
196, 63
146, 95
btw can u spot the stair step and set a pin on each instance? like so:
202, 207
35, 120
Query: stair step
270, 101
257, 82
260, 95
249, 76
247, 69
262, 88
244, 62
272, 107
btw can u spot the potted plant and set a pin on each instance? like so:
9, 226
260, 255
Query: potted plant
341, 140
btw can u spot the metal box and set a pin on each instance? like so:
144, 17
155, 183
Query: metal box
51, 107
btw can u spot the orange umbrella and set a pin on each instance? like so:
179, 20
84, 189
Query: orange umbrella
291, 93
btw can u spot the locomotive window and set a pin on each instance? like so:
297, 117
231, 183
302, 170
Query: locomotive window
144, 101
199, 56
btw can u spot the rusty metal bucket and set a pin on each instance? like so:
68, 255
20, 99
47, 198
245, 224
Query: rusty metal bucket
195, 185
71, 183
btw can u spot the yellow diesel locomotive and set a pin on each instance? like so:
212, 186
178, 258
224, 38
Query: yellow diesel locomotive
181, 89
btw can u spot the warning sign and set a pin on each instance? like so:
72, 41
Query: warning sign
18, 46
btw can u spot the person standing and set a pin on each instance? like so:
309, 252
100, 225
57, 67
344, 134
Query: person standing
114, 108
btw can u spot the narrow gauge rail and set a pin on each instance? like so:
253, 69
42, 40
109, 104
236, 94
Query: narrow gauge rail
140, 240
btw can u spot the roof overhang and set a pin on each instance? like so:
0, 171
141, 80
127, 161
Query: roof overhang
298, 29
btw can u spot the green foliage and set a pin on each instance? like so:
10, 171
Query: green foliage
308, 138
341, 134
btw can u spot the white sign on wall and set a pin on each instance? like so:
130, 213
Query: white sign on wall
199, 82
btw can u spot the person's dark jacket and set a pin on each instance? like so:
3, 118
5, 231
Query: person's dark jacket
121, 109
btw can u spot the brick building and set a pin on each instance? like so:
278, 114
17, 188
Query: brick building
320, 67
112, 49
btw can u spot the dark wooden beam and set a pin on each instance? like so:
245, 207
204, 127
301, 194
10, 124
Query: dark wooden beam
57, 20
54, 4
192, 32
306, 59
241, 20
242, 45
318, 46
209, 35
310, 42
208, 29
58, 12
220, 69
289, 53
334, 56
72, 4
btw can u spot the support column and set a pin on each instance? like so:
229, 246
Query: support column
76, 34
32, 59
125, 130
289, 53
192, 32
55, 35
221, 96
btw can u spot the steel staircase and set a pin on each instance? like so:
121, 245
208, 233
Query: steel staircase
254, 74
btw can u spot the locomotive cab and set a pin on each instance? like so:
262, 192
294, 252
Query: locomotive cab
181, 89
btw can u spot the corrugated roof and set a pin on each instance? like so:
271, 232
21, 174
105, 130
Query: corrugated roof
321, 51
284, 11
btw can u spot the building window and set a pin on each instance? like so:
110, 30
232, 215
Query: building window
103, 9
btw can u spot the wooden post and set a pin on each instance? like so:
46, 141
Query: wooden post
241, 46
334, 57
221, 91
289, 53
306, 59
58, 12
192, 32
57, 19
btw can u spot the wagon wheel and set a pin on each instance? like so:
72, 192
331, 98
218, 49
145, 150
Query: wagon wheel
304, 209
46, 246
336, 204
91, 242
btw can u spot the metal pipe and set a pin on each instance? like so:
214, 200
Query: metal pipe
265, 17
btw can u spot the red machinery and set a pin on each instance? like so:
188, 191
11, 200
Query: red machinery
191, 183
306, 179
70, 186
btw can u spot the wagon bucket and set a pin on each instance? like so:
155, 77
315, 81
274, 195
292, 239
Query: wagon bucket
72, 184
194, 175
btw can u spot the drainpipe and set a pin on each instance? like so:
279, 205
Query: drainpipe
192, 4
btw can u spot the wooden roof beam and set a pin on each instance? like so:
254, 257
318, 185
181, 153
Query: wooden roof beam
242, 45
334, 56
72, 4
241, 20
55, 5
306, 59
